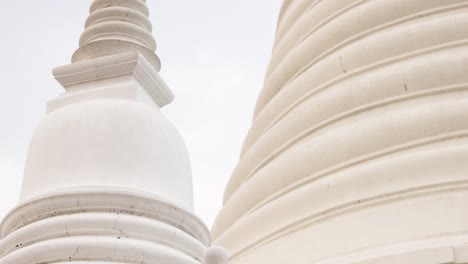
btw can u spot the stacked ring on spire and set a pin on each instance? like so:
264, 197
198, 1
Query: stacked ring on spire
117, 26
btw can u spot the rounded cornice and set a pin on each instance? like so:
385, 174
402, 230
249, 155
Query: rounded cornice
119, 13
134, 225
111, 30
137, 5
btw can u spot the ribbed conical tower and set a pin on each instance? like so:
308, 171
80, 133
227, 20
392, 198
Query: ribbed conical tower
358, 151
107, 178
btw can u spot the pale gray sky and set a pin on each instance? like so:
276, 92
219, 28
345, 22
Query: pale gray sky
214, 55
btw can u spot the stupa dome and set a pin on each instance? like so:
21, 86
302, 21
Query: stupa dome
108, 142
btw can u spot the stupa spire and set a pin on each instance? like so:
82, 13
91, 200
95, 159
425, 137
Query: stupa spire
117, 26
116, 45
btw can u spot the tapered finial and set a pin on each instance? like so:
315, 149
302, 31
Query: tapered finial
117, 26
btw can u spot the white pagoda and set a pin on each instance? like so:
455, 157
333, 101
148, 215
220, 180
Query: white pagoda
108, 178
358, 151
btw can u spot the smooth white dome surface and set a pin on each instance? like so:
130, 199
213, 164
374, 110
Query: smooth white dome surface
108, 143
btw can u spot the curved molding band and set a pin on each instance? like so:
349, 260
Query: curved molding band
102, 225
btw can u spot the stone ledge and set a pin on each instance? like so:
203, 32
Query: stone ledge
93, 73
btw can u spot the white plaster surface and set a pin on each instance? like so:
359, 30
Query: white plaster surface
107, 178
216, 255
358, 147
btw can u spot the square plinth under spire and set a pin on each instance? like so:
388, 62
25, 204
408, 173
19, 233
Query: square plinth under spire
127, 75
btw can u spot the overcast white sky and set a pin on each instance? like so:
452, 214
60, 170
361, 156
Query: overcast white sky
214, 55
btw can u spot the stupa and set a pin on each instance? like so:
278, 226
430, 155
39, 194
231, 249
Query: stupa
107, 177
358, 151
